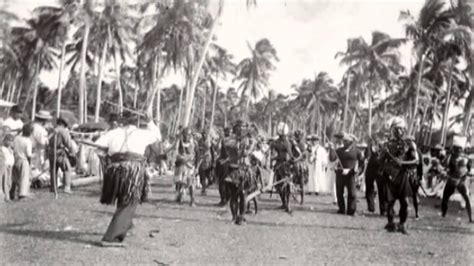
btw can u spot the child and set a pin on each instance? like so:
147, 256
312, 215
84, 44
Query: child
23, 151
7, 161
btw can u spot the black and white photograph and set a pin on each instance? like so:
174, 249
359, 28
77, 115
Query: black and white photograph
236, 132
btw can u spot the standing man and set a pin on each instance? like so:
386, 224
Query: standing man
283, 166
221, 171
299, 149
40, 139
458, 168
372, 175
349, 158
125, 182
205, 161
236, 153
399, 160
66, 148
185, 165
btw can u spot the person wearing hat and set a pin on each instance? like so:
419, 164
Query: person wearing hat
235, 155
317, 159
125, 183
399, 159
348, 158
14, 121
283, 164
40, 139
66, 150
458, 167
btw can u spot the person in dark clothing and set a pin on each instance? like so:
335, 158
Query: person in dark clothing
283, 164
458, 168
372, 175
221, 170
399, 159
350, 162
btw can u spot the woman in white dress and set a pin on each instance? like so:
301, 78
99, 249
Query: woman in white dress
318, 159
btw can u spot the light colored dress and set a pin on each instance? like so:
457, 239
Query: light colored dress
318, 160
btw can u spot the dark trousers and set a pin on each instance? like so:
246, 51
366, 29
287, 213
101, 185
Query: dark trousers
449, 189
237, 202
121, 223
346, 181
372, 176
223, 187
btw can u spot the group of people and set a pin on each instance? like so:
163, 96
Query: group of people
242, 163
28, 148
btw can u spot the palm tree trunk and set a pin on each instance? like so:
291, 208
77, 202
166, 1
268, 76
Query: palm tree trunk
369, 96
270, 124
35, 88
417, 95
433, 116
152, 90
61, 66
158, 103
346, 105
180, 105
99, 83
20, 85
3, 87
119, 86
197, 72
214, 99
467, 110
82, 75
203, 118
422, 122
446, 107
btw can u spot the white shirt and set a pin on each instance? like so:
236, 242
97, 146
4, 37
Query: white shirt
129, 139
13, 124
8, 155
39, 136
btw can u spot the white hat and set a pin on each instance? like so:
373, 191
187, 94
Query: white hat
282, 129
258, 155
43, 114
459, 141
398, 122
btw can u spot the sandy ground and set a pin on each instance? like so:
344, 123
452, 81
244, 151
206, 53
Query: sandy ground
46, 231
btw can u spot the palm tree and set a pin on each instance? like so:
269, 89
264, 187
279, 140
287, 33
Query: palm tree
37, 43
253, 72
218, 64
375, 65
112, 32
424, 32
318, 95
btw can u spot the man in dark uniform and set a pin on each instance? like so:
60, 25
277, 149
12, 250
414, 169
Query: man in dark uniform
349, 158
236, 153
299, 150
458, 167
221, 171
283, 164
399, 158
372, 174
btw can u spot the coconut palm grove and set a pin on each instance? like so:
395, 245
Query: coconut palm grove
151, 142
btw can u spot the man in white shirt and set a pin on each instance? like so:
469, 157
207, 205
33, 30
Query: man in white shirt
125, 183
40, 139
14, 122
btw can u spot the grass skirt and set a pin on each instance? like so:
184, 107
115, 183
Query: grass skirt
125, 181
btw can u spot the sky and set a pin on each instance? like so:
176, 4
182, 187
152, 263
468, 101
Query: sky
306, 33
